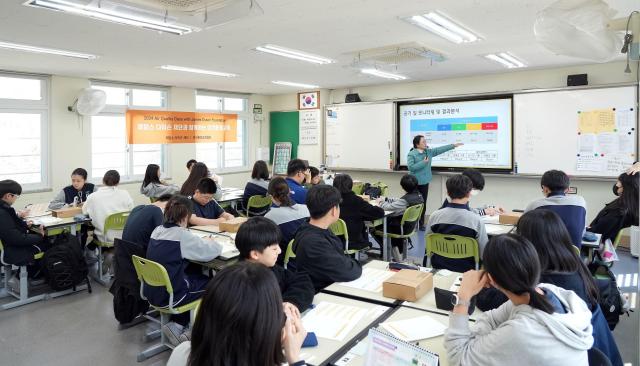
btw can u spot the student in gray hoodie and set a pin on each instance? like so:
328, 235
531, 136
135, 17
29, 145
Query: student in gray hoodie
152, 186
542, 324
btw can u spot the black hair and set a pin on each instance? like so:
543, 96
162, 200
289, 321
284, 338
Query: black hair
177, 209
321, 199
549, 236
151, 175
80, 172
416, 140
206, 186
409, 183
628, 200
111, 178
279, 189
260, 170
477, 180
257, 234
513, 263
240, 319
198, 171
459, 186
164, 198
343, 183
191, 162
555, 180
10, 186
314, 171
295, 166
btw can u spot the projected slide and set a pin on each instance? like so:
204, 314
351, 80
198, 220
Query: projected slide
484, 126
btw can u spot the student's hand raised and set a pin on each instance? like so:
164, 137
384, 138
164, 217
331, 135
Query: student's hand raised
294, 335
472, 283
634, 169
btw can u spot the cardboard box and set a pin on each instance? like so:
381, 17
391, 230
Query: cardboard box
66, 212
408, 285
232, 226
510, 217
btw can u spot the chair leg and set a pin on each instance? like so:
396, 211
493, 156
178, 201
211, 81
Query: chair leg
23, 297
157, 348
100, 276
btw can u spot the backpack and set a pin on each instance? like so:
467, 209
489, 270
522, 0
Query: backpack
372, 191
64, 266
611, 301
127, 304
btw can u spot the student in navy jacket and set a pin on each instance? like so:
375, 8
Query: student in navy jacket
619, 213
297, 173
206, 210
257, 186
143, 219
77, 192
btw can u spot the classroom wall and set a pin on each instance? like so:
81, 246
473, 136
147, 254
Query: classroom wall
511, 192
70, 141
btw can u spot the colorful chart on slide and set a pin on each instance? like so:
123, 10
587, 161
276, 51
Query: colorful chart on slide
483, 126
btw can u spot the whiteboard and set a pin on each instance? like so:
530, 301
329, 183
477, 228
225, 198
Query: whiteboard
360, 136
547, 126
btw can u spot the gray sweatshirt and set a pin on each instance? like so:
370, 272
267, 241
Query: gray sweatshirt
155, 190
523, 336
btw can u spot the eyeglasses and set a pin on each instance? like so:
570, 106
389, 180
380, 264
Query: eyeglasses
15, 195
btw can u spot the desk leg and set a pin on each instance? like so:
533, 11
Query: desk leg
385, 241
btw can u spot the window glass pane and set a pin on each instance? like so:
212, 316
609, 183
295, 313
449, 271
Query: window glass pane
145, 154
234, 104
115, 95
208, 102
234, 151
109, 150
208, 154
20, 88
20, 147
148, 98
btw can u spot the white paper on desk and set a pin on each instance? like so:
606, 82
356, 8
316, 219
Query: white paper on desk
415, 329
370, 280
332, 321
46, 220
491, 219
492, 229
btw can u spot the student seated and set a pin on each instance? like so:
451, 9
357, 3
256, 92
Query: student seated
572, 209
77, 192
316, 178
258, 241
297, 173
457, 219
258, 185
190, 163
20, 244
287, 214
619, 213
319, 253
477, 181
172, 245
152, 186
206, 211
355, 211
241, 321
143, 219
398, 206
541, 324
197, 172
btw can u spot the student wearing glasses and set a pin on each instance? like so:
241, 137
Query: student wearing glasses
206, 210
297, 173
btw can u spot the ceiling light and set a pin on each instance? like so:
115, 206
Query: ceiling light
297, 85
103, 13
382, 74
506, 60
298, 55
51, 51
444, 27
197, 71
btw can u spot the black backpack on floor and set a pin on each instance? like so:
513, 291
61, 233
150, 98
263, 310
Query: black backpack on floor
64, 265
610, 299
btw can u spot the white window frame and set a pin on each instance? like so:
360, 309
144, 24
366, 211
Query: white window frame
121, 110
245, 115
43, 108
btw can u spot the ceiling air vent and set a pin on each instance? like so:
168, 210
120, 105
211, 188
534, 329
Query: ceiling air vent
395, 55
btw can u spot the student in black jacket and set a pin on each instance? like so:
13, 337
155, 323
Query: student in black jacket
319, 253
20, 244
619, 213
143, 220
355, 211
258, 241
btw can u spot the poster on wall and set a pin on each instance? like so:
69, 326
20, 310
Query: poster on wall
167, 127
309, 127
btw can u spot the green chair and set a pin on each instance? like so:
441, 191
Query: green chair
22, 296
577, 250
616, 241
410, 216
154, 274
339, 228
357, 188
259, 204
452, 246
289, 253
153, 199
114, 222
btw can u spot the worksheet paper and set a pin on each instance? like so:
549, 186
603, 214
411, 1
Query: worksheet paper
370, 280
332, 321
415, 329
385, 349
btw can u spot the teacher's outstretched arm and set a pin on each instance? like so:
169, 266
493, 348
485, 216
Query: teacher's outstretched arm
442, 149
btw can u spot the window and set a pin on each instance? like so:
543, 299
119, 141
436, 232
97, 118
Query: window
24, 106
224, 155
109, 148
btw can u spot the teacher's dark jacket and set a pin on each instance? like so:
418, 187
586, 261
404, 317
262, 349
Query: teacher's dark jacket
19, 244
420, 168
355, 211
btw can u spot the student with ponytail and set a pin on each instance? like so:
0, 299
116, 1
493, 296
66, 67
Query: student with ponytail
541, 324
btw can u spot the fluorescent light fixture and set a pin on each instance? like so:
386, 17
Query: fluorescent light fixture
297, 85
506, 60
50, 51
382, 74
198, 71
444, 27
298, 55
110, 15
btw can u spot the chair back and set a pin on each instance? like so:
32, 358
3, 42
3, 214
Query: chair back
576, 249
153, 199
116, 221
289, 253
453, 247
597, 358
259, 203
339, 229
616, 241
411, 216
357, 188
152, 273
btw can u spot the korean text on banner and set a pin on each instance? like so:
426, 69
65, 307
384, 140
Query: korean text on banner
166, 127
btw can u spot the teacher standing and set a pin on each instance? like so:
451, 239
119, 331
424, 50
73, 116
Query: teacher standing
419, 164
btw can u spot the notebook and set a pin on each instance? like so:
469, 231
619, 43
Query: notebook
415, 329
385, 349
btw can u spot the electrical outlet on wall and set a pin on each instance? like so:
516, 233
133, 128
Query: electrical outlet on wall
572, 190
